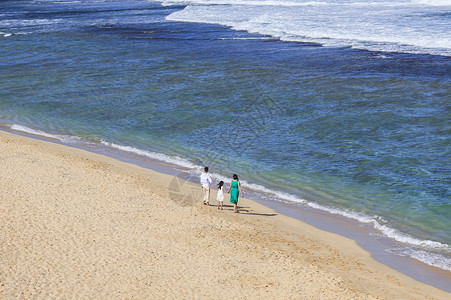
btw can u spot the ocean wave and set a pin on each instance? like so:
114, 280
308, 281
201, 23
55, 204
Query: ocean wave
70, 139
4, 34
25, 23
175, 160
433, 2
432, 259
375, 25
247, 38
306, 3
61, 137
66, 2
407, 239
244, 2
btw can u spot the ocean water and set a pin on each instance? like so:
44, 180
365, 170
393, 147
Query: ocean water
338, 106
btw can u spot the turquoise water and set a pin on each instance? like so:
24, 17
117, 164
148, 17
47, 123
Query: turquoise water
359, 133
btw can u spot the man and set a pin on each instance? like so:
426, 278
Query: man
205, 181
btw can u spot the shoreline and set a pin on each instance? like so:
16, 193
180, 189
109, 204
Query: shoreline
337, 224
333, 255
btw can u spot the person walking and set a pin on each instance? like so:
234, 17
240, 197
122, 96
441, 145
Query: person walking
220, 195
235, 191
205, 181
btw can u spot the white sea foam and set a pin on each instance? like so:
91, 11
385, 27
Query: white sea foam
60, 137
433, 2
247, 38
66, 2
407, 239
432, 259
398, 26
25, 22
175, 160
75, 139
245, 2
4, 34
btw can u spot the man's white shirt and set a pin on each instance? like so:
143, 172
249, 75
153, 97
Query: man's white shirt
205, 180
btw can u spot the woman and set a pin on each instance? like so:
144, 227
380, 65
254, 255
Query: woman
235, 190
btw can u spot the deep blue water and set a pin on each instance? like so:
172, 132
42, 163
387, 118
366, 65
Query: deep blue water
355, 132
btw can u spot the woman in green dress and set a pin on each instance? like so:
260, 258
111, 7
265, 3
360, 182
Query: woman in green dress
235, 190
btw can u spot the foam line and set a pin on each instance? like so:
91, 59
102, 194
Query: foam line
353, 24
175, 160
244, 3
433, 2
60, 137
432, 259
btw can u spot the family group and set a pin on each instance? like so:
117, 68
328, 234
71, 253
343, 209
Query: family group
234, 190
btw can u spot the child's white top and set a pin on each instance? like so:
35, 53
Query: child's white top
220, 196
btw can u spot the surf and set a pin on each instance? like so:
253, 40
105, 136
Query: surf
401, 26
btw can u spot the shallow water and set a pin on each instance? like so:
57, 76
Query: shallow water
347, 130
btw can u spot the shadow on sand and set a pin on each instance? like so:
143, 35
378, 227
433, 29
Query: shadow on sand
245, 211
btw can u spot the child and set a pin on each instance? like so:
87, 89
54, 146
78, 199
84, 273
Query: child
220, 196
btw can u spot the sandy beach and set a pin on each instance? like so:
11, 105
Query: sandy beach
75, 224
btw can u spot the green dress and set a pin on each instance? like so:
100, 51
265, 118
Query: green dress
234, 192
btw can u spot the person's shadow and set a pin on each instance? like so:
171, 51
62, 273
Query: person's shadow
245, 211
